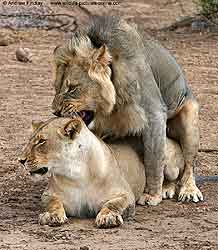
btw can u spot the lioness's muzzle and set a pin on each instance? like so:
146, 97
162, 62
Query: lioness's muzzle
22, 160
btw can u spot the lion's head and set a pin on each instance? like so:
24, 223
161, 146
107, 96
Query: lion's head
83, 79
45, 146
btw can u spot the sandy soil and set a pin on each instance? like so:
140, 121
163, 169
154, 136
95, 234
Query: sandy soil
26, 93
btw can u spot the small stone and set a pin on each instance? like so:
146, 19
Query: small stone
23, 55
84, 248
199, 25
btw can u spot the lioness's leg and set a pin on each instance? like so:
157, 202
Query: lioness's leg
171, 174
184, 127
113, 211
173, 169
55, 213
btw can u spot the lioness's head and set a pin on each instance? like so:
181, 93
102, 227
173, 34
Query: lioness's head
47, 141
83, 79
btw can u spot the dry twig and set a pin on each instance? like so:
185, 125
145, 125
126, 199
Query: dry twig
208, 150
179, 24
85, 10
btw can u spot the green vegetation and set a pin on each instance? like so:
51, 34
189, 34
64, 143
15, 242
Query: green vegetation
208, 8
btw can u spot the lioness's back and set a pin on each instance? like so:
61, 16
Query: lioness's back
130, 161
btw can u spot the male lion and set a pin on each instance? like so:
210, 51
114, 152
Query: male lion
89, 177
129, 85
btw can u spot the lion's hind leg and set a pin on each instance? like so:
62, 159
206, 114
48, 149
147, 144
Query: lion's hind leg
184, 127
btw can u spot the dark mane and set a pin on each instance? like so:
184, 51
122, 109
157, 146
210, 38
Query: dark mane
101, 29
116, 34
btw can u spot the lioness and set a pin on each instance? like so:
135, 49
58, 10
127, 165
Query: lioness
89, 177
129, 85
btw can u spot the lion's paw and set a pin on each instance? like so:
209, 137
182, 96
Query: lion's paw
152, 200
190, 193
52, 219
107, 218
169, 190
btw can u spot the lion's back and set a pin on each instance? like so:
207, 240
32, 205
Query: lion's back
132, 50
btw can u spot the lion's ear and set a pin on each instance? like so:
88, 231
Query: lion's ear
59, 76
56, 49
36, 125
102, 56
101, 72
71, 128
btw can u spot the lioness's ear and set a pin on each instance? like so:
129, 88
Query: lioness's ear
72, 128
102, 56
36, 124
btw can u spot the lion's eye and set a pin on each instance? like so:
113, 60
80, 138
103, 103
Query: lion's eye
41, 141
73, 88
74, 92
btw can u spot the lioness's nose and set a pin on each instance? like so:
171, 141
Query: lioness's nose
22, 160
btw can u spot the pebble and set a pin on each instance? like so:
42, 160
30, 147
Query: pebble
199, 25
23, 55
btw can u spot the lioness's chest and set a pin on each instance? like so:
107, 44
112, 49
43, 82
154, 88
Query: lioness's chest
79, 200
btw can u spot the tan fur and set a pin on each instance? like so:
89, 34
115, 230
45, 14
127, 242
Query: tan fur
81, 58
134, 87
89, 177
187, 118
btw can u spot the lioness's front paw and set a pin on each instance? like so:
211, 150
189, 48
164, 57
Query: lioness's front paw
52, 219
107, 218
152, 200
190, 193
168, 190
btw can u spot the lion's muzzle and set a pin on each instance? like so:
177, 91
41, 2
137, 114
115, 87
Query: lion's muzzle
57, 105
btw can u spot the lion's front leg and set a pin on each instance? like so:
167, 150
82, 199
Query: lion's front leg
55, 214
154, 138
113, 211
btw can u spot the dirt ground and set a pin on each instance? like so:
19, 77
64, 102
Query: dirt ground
26, 93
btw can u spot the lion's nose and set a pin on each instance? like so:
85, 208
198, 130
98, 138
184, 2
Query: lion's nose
57, 113
22, 160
